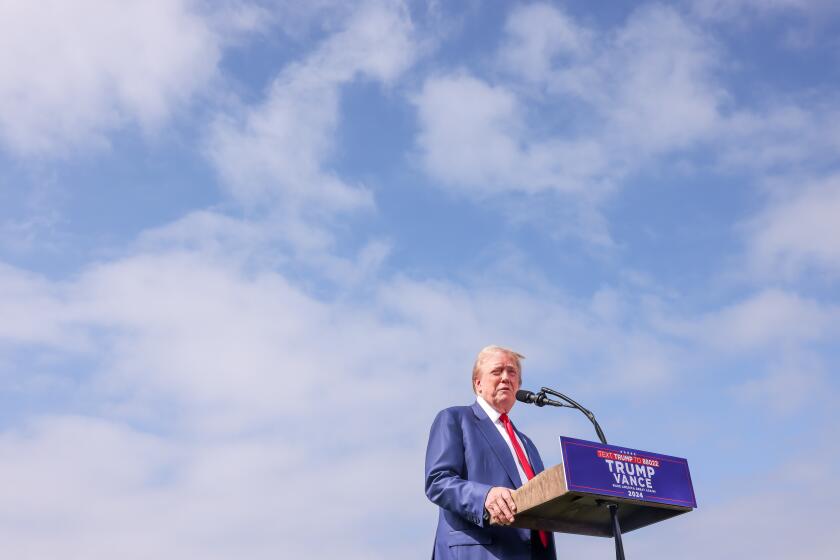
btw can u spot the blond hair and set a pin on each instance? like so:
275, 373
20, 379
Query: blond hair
488, 351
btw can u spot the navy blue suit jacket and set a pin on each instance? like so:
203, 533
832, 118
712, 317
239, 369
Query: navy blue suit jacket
466, 457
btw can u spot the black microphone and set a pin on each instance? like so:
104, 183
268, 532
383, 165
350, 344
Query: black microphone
538, 399
532, 398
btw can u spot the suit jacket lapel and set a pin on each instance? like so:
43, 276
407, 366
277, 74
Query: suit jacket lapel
497, 444
531, 451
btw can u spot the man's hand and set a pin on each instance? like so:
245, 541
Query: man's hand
499, 504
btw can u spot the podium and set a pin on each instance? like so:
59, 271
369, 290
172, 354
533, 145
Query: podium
572, 497
546, 503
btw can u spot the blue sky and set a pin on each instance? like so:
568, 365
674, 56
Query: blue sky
249, 249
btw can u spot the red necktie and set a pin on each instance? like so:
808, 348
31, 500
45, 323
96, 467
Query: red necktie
523, 460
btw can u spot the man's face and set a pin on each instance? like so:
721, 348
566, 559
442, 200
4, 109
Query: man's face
498, 380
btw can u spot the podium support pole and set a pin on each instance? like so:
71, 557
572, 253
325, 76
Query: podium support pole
619, 546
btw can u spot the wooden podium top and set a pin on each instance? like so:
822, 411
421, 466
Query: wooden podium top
545, 503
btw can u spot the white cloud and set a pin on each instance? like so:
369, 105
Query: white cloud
274, 241
224, 397
770, 319
655, 82
469, 132
648, 84
475, 137
72, 494
224, 401
214, 341
743, 12
81, 487
31, 310
759, 140
798, 233
770, 345
618, 98
796, 25
537, 34
781, 513
577, 111
72, 72
789, 385
278, 151
297, 20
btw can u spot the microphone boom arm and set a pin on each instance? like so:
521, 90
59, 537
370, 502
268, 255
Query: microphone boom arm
573, 404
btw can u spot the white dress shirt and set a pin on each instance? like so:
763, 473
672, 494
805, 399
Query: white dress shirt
494, 417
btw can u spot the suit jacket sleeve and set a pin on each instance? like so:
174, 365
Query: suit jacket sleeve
446, 472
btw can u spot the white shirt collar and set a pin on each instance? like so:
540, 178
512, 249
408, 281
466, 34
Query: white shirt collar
491, 412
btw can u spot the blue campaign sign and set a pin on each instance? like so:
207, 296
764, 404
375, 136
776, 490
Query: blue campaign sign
610, 470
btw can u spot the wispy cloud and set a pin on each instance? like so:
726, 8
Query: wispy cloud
765, 320
738, 12
797, 233
278, 152
70, 74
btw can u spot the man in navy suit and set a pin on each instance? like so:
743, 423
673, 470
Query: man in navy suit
472, 463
